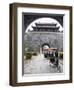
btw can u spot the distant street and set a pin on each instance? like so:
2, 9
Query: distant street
38, 65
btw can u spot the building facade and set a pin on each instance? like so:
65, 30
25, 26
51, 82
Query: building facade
44, 34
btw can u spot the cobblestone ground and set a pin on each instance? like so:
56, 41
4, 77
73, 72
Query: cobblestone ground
39, 65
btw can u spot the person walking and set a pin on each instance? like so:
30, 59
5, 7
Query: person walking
56, 59
52, 57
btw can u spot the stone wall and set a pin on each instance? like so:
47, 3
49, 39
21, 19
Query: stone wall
36, 40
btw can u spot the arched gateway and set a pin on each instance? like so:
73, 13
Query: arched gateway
44, 34
45, 46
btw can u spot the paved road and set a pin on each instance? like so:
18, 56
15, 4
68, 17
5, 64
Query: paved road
39, 65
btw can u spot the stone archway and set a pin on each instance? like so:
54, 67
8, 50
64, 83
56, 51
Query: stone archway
45, 44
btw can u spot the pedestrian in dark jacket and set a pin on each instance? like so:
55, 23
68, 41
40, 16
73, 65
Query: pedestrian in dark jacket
56, 58
52, 60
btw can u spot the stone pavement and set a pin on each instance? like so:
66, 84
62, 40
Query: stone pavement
39, 65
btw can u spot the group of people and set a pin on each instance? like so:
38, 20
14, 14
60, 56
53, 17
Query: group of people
53, 56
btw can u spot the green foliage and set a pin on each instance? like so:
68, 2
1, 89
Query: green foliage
28, 55
34, 54
61, 55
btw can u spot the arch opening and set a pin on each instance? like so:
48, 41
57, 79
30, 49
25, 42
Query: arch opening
45, 46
